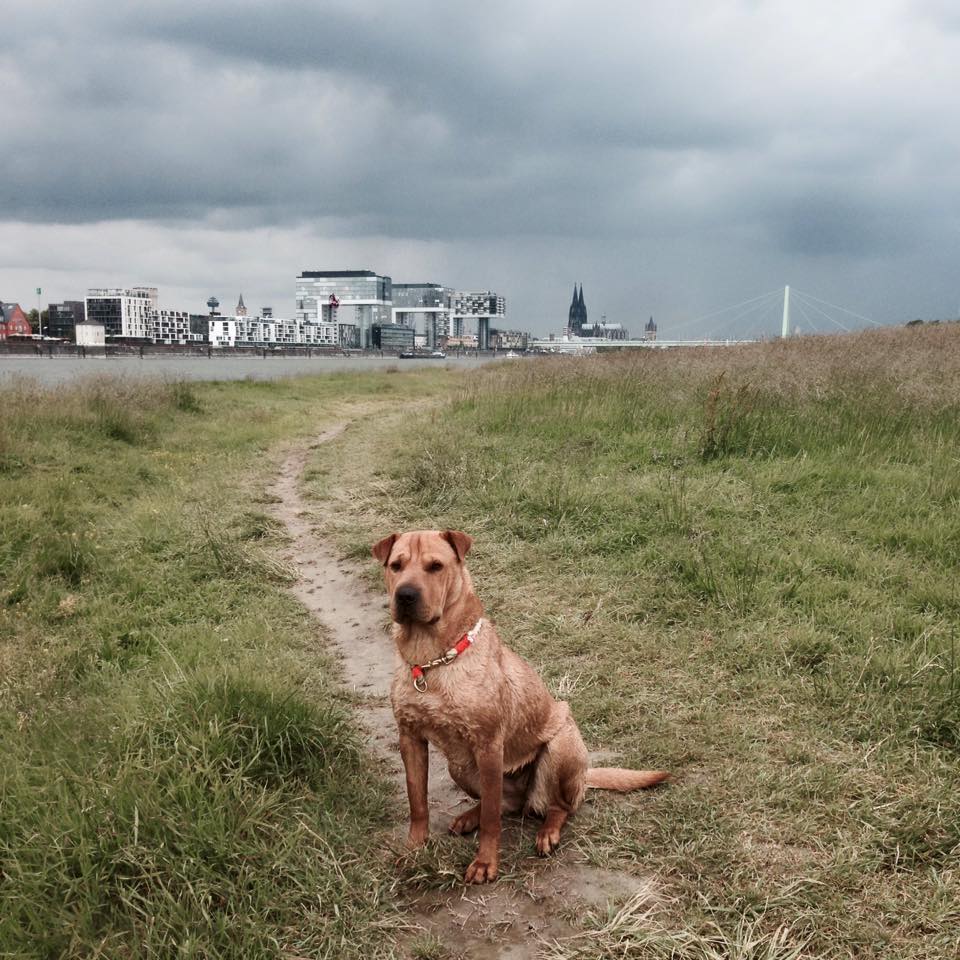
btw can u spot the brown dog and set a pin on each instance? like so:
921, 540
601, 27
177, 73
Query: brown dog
507, 742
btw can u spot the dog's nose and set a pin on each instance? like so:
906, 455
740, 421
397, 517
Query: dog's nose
407, 596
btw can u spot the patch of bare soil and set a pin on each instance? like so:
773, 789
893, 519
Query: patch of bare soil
502, 921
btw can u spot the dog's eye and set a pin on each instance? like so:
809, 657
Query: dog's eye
435, 567
395, 566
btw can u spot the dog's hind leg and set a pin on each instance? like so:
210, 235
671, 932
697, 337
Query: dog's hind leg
558, 784
514, 795
548, 836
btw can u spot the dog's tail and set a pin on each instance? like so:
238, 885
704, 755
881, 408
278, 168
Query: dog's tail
616, 778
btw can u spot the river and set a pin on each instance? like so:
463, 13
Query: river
51, 371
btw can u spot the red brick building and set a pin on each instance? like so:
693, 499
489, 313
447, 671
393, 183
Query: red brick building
13, 321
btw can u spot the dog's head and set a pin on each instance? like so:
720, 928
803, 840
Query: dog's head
424, 572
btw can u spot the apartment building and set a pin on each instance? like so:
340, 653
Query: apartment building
124, 311
268, 332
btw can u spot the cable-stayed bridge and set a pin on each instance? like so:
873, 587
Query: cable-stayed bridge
783, 312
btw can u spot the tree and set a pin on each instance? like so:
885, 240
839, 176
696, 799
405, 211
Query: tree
33, 317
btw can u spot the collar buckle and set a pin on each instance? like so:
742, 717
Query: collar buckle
418, 671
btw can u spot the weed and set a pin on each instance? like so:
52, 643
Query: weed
186, 397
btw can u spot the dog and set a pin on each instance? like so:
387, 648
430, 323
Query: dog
507, 742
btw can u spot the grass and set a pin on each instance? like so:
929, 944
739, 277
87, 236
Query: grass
741, 565
181, 775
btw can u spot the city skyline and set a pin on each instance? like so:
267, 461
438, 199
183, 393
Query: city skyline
697, 156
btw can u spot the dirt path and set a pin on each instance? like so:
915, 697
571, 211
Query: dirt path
503, 921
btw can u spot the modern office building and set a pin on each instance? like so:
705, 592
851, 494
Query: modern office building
479, 309
351, 300
393, 337
123, 311
62, 319
426, 308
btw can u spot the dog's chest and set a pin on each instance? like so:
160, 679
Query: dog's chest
450, 721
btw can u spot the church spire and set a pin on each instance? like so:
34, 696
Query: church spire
573, 317
241, 307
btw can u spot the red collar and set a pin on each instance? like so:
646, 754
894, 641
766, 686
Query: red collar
418, 670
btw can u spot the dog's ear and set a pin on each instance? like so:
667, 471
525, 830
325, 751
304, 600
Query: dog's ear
381, 549
460, 541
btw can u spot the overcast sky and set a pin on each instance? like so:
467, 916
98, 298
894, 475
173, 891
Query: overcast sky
673, 157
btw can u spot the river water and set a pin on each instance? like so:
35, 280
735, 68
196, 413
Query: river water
65, 369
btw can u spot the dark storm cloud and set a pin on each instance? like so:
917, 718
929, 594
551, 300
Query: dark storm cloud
768, 133
414, 118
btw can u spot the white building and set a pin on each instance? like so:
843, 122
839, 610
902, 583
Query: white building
90, 335
173, 326
269, 332
123, 311
479, 309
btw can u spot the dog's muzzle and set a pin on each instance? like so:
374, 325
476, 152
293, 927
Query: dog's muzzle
406, 600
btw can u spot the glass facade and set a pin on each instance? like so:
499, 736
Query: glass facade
426, 308
62, 318
393, 337
351, 300
412, 295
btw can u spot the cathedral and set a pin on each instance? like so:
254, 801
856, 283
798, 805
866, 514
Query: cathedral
578, 313
579, 326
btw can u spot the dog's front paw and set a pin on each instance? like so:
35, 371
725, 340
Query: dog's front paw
481, 871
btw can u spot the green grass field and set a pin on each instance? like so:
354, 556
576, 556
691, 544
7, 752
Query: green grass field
740, 565
180, 775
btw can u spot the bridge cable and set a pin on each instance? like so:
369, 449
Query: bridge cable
803, 298
806, 316
757, 307
852, 313
735, 306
